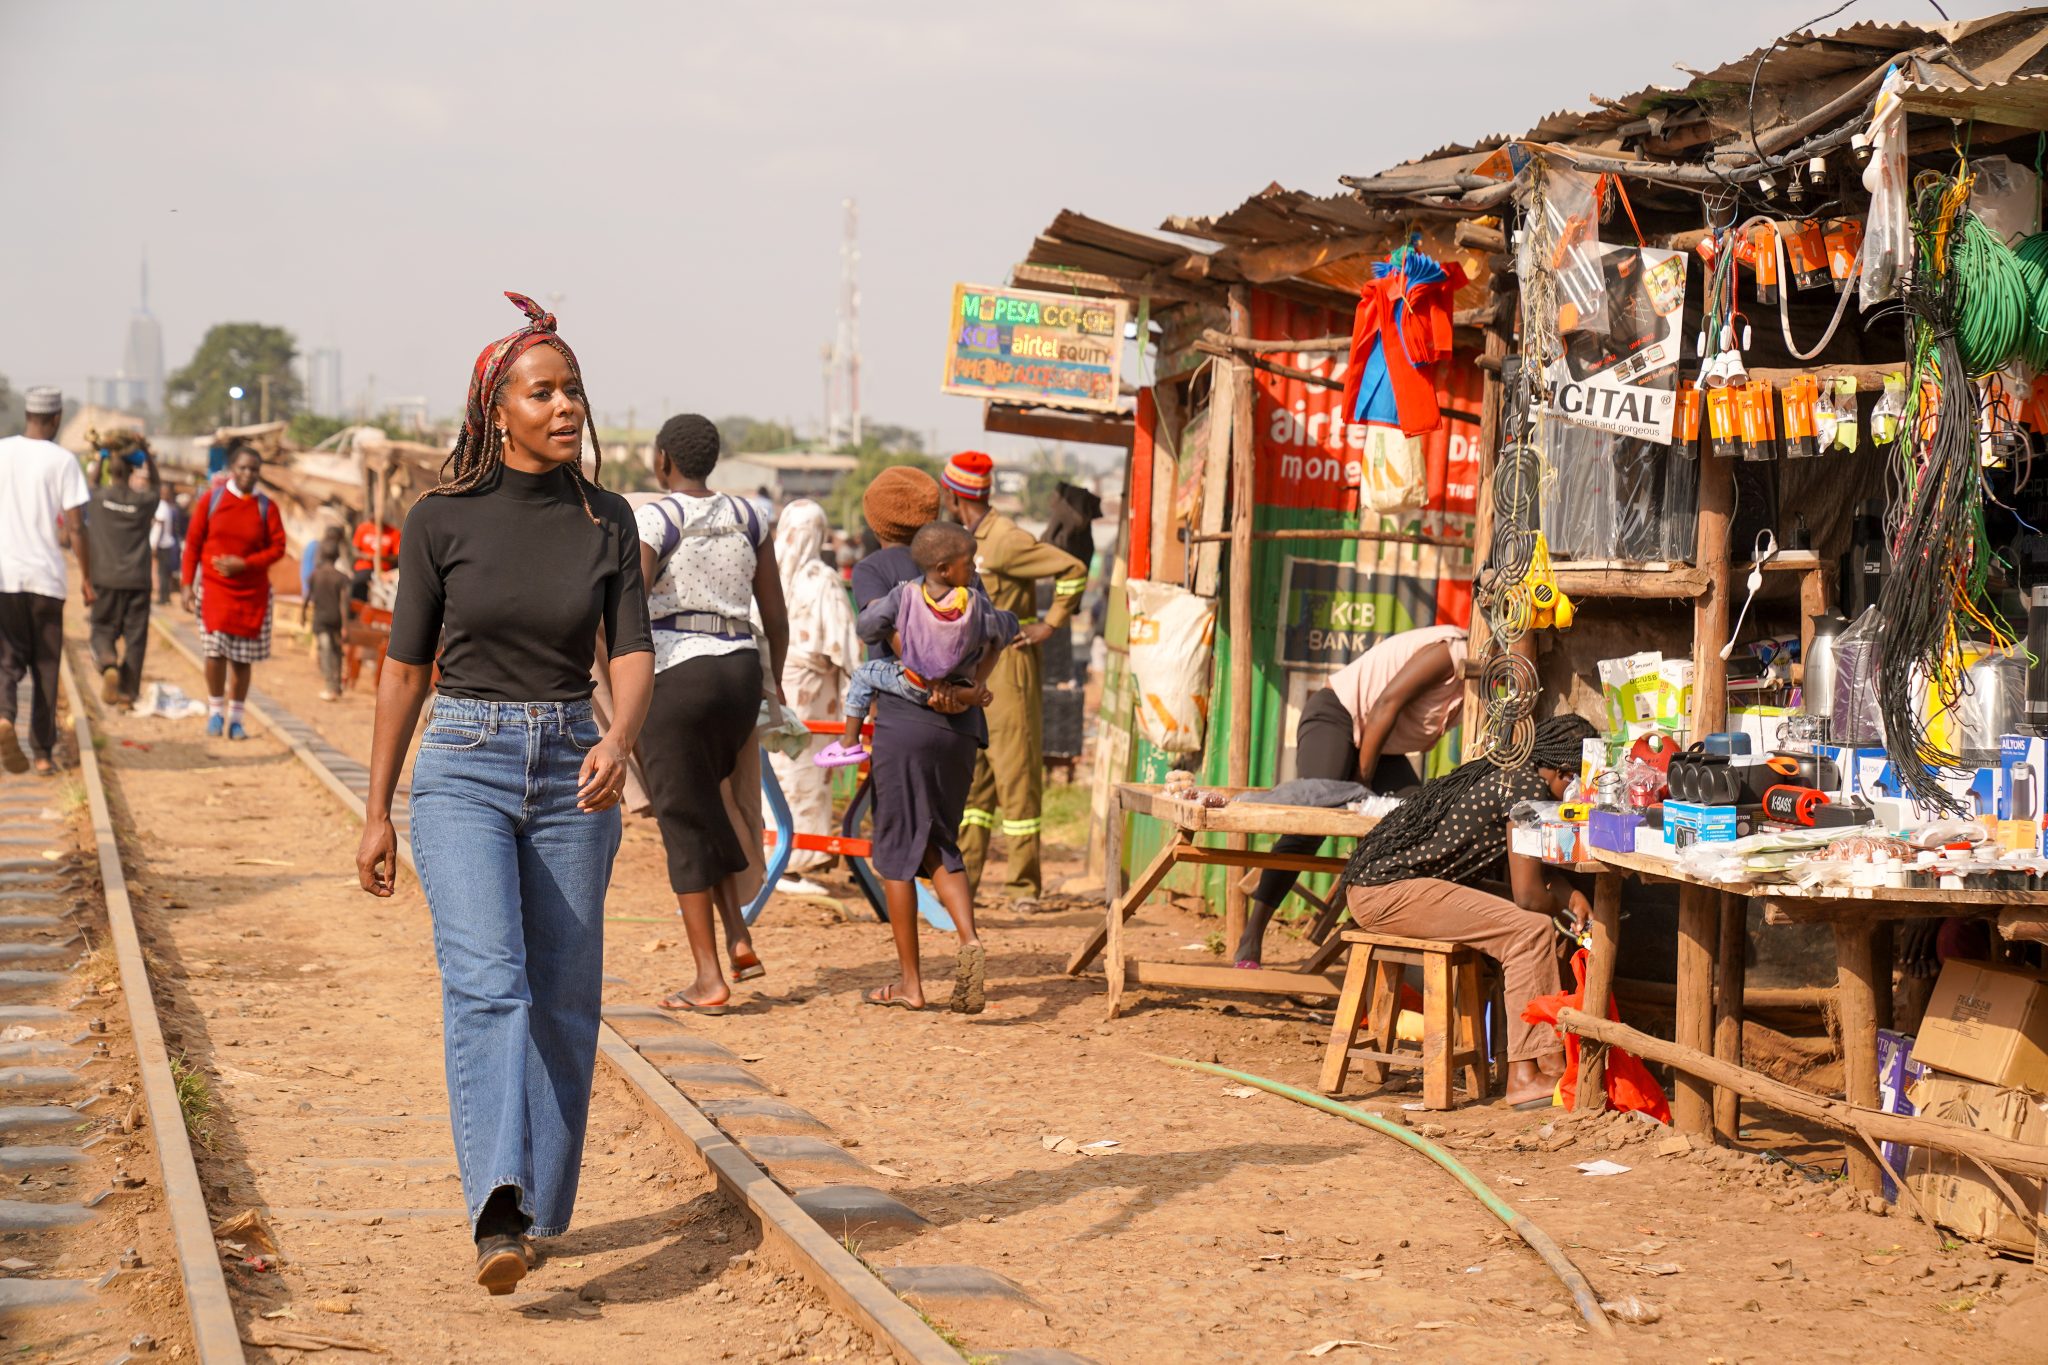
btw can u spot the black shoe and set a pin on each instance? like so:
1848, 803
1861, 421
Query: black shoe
500, 1263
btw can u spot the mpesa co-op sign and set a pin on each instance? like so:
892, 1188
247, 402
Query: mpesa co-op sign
1024, 347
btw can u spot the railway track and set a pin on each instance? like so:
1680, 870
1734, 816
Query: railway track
727, 1125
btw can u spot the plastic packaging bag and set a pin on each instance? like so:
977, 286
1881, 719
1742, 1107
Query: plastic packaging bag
1566, 243
1395, 471
1887, 232
1856, 719
1173, 633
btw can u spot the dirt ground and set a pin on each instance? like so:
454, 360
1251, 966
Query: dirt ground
312, 1010
1221, 1227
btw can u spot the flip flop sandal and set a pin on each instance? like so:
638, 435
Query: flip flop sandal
682, 1004
885, 997
1531, 1106
45, 768
838, 755
970, 986
747, 968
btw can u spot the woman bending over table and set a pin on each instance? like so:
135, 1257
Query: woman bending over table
1414, 874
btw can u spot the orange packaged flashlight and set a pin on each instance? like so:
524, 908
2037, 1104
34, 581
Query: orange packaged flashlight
1808, 253
1724, 426
1686, 426
1844, 241
1753, 406
1764, 249
1800, 395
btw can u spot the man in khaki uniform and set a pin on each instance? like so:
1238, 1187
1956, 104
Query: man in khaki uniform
1009, 777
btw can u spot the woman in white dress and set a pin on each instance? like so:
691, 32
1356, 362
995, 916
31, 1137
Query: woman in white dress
823, 652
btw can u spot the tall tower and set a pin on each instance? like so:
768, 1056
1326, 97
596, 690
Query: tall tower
842, 364
142, 361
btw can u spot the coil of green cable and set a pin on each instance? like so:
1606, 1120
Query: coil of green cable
1993, 301
2031, 255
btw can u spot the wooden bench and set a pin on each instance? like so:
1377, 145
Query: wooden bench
1457, 982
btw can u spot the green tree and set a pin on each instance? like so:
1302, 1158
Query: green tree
234, 354
842, 504
737, 434
12, 414
885, 436
309, 429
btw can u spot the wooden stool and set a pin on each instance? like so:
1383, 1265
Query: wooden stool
1457, 980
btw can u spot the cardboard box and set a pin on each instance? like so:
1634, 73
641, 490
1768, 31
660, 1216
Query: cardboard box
1976, 788
1954, 1190
1988, 1022
1646, 692
1761, 724
1686, 824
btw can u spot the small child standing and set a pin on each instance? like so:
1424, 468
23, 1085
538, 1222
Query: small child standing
328, 600
941, 629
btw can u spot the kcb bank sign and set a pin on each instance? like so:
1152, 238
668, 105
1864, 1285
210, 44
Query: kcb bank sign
1332, 612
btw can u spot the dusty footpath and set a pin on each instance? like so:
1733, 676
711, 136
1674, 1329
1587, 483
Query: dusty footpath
1220, 1226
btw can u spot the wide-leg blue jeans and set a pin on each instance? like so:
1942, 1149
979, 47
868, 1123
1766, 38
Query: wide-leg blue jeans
515, 877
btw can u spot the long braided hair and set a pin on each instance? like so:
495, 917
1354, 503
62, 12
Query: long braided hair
479, 453
1558, 746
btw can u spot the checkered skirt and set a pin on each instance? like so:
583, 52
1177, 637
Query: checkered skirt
236, 649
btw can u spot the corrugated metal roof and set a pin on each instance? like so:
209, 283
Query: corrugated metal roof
1804, 70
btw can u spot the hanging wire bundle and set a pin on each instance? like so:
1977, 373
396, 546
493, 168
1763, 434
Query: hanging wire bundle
2031, 258
1941, 558
1508, 682
1993, 301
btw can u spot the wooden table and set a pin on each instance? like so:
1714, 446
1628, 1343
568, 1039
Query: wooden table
1188, 820
1712, 939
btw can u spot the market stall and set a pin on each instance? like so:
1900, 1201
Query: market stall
1726, 398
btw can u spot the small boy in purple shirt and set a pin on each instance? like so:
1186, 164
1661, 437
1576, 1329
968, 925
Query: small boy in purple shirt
941, 629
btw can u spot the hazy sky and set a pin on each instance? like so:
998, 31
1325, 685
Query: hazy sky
371, 175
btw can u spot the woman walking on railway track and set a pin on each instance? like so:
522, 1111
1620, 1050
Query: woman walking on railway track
236, 536
709, 562
923, 762
506, 576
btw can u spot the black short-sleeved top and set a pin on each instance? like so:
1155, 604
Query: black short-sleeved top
510, 583
117, 527
1469, 844
872, 577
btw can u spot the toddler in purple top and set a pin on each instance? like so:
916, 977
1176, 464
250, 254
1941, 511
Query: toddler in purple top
939, 628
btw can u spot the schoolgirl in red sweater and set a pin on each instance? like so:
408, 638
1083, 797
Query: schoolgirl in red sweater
236, 536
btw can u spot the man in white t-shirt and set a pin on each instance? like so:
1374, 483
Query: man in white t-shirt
41, 485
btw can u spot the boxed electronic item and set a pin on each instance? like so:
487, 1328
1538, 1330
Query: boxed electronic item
1989, 1022
1897, 1069
1956, 1193
1613, 830
1646, 693
2022, 765
1687, 823
1859, 767
1976, 788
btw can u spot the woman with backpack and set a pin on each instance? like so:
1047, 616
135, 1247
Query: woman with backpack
709, 562
236, 535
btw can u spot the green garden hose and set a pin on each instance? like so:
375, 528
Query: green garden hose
1539, 1242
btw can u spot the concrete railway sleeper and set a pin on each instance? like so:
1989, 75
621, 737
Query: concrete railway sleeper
802, 1195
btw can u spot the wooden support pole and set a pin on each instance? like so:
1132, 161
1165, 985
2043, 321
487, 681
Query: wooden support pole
2021, 1158
1600, 984
1710, 609
1729, 971
1856, 1008
1242, 494
1699, 932
1482, 522
1478, 236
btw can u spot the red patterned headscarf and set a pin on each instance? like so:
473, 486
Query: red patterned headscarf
496, 360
